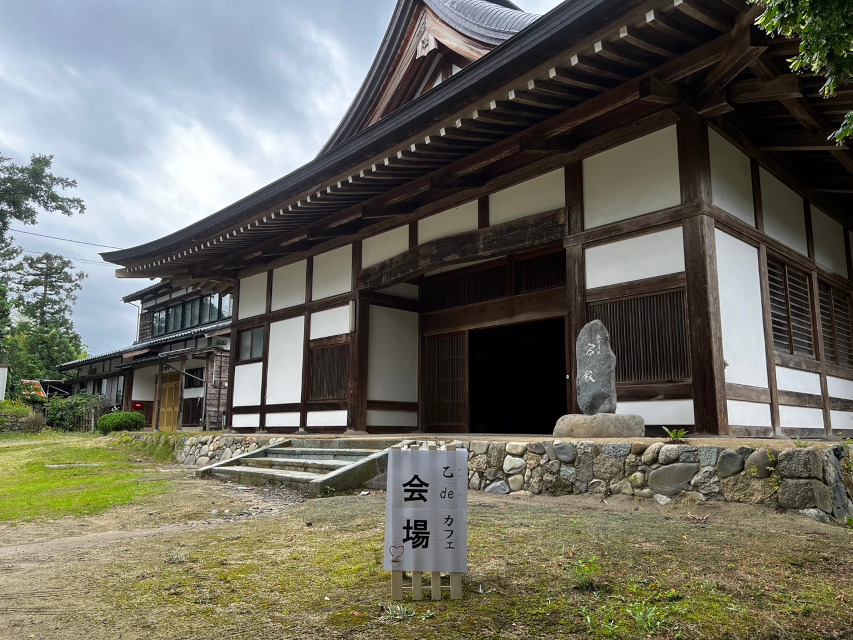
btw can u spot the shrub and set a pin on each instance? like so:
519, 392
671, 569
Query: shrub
121, 421
33, 423
13, 409
74, 412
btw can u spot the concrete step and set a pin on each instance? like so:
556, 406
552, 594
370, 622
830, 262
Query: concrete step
306, 453
310, 465
240, 474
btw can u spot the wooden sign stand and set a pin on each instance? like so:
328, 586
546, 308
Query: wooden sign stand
415, 584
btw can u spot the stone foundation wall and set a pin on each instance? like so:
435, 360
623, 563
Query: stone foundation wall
818, 482
31, 423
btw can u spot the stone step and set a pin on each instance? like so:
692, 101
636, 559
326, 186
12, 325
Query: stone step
306, 453
321, 467
240, 474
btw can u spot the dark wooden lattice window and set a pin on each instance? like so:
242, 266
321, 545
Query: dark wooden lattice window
329, 372
790, 310
444, 381
648, 335
541, 272
835, 325
468, 288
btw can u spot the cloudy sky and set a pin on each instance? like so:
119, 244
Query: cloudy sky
165, 111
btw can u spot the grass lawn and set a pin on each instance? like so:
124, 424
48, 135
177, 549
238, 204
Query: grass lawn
539, 567
52, 475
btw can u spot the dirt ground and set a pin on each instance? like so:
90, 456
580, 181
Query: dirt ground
58, 579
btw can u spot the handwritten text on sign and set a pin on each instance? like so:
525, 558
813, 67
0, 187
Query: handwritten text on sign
426, 516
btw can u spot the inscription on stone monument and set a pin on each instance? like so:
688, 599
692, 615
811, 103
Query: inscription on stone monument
596, 383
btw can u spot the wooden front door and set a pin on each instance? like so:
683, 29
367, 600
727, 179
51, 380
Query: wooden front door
445, 395
170, 392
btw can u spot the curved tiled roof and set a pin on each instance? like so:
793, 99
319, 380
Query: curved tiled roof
482, 20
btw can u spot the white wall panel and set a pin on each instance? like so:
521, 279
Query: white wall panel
284, 366
659, 412
829, 242
839, 387
253, 296
377, 418
198, 392
841, 419
803, 417
392, 355
288, 285
731, 178
383, 246
748, 414
247, 384
638, 177
740, 311
326, 419
246, 420
796, 380
545, 193
288, 419
447, 223
143, 384
332, 322
653, 254
332, 273
784, 216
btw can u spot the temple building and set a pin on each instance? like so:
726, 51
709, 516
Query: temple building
502, 178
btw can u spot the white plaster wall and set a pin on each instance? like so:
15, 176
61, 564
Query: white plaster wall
803, 417
784, 216
246, 420
289, 419
403, 290
377, 418
731, 178
447, 223
653, 254
660, 412
740, 311
841, 419
332, 273
143, 384
247, 384
331, 322
383, 246
253, 296
748, 414
326, 419
638, 177
392, 355
193, 393
839, 387
796, 380
828, 242
284, 366
288, 285
545, 193
4, 374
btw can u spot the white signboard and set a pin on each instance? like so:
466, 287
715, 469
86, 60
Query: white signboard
426, 515
4, 372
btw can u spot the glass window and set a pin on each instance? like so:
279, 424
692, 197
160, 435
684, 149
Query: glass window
195, 306
226, 306
194, 378
258, 342
251, 344
210, 308
246, 345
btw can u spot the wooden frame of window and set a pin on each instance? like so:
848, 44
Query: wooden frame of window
835, 324
791, 309
250, 344
328, 368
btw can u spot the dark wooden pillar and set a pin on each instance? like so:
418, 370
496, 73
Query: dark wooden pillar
705, 327
357, 387
127, 391
576, 317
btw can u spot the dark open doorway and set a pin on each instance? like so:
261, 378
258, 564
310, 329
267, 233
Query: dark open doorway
517, 377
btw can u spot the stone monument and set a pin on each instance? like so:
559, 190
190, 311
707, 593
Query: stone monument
596, 389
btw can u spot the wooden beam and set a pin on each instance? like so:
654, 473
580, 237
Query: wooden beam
748, 91
797, 141
580, 80
746, 45
527, 233
643, 41
703, 14
538, 144
653, 90
833, 184
705, 326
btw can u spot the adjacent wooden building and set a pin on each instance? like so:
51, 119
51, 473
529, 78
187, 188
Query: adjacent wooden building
502, 178
176, 372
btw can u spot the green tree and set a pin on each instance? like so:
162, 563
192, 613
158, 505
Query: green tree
825, 30
27, 189
44, 289
8, 254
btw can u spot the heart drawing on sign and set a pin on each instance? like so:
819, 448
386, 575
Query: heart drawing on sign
396, 554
